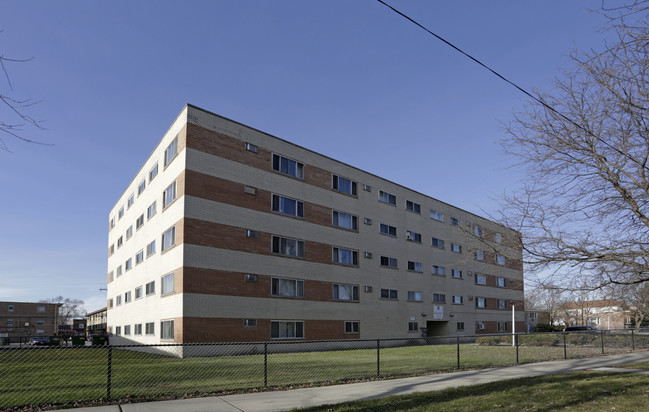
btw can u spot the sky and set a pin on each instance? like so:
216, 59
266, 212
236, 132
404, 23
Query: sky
348, 79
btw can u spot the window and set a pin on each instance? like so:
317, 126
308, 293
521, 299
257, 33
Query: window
480, 326
110, 276
480, 279
502, 326
389, 294
456, 248
288, 247
439, 270
120, 214
288, 166
477, 230
167, 329
345, 292
128, 265
502, 304
455, 221
10, 323
413, 207
498, 238
139, 222
127, 297
344, 220
151, 211
118, 330
439, 243
118, 300
130, 201
167, 283
345, 256
150, 249
367, 188
481, 303
137, 329
456, 273
479, 255
387, 198
153, 172
500, 282
138, 292
112, 223
129, 232
415, 266
352, 326
389, 262
415, 296
439, 298
250, 323
413, 236
413, 327
458, 300
120, 242
127, 329
139, 257
593, 321
112, 249
252, 148
169, 195
437, 216
118, 271
367, 221
288, 206
459, 326
169, 239
141, 187
170, 153
388, 230
291, 288
149, 288
286, 329
344, 185
500, 259
149, 328
368, 255
253, 234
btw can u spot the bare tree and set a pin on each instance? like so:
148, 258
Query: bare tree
637, 297
69, 309
16, 109
584, 212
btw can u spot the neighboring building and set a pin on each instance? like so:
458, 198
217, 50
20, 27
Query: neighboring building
230, 234
27, 319
96, 322
535, 317
603, 314
77, 328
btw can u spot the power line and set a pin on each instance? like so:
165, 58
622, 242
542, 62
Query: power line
536, 99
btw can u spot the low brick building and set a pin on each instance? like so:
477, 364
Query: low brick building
27, 319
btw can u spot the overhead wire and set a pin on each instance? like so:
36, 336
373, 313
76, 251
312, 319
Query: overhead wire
536, 99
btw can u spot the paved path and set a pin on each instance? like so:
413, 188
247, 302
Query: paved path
299, 398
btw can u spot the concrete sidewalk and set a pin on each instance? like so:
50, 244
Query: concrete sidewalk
299, 398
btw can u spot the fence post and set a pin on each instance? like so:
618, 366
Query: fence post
632, 340
458, 352
378, 358
265, 363
565, 352
602, 333
110, 372
516, 342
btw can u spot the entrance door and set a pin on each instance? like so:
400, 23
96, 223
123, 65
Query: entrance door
437, 328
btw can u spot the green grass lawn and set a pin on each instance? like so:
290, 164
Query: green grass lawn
578, 391
64, 375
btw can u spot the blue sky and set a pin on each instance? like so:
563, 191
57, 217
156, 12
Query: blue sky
349, 79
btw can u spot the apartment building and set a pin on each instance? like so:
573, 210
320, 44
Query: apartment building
230, 234
27, 319
96, 322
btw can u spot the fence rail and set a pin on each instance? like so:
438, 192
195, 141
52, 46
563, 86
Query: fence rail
59, 375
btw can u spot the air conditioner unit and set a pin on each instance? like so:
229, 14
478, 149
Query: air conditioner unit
251, 233
367, 188
250, 278
470, 273
408, 236
251, 147
368, 255
470, 297
368, 289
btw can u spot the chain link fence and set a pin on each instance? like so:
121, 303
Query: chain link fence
59, 375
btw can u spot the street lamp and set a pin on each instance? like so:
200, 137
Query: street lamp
511, 302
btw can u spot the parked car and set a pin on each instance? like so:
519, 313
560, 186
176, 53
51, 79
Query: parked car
581, 329
39, 340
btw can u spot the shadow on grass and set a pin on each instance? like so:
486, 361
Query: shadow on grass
545, 393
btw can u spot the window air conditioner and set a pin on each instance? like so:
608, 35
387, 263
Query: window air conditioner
368, 255
250, 278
